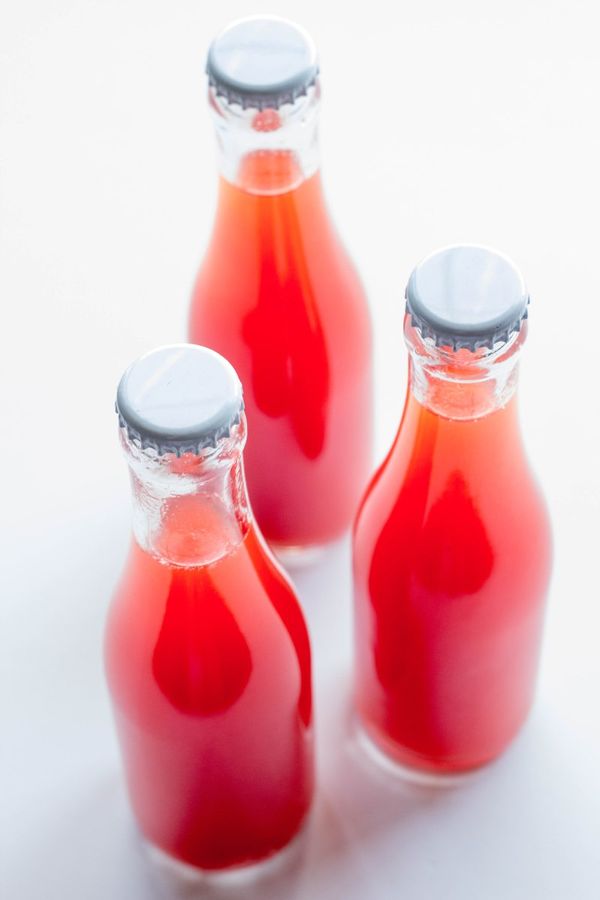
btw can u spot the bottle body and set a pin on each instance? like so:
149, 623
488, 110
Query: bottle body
452, 555
209, 674
278, 296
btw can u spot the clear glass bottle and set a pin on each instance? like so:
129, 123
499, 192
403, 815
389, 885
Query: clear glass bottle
207, 653
452, 546
277, 294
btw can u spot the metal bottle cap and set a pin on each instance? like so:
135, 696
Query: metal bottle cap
179, 399
467, 297
262, 62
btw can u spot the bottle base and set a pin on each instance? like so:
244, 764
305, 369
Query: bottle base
299, 556
408, 767
178, 875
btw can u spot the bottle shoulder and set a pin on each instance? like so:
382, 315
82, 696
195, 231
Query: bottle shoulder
453, 538
247, 581
203, 635
454, 478
276, 239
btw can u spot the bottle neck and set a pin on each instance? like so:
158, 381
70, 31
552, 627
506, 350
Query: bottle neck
268, 151
193, 509
462, 384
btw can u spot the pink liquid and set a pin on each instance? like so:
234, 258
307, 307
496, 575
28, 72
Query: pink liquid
452, 556
278, 297
209, 671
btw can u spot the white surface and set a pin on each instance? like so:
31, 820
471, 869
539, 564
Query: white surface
441, 122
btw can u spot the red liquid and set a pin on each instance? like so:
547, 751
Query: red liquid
279, 298
209, 671
452, 561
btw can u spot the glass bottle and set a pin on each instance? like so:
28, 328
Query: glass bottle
277, 294
452, 545
207, 653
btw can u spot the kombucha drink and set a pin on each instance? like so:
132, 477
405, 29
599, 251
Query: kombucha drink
278, 295
452, 546
207, 653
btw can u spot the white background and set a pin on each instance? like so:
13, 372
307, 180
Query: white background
442, 122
